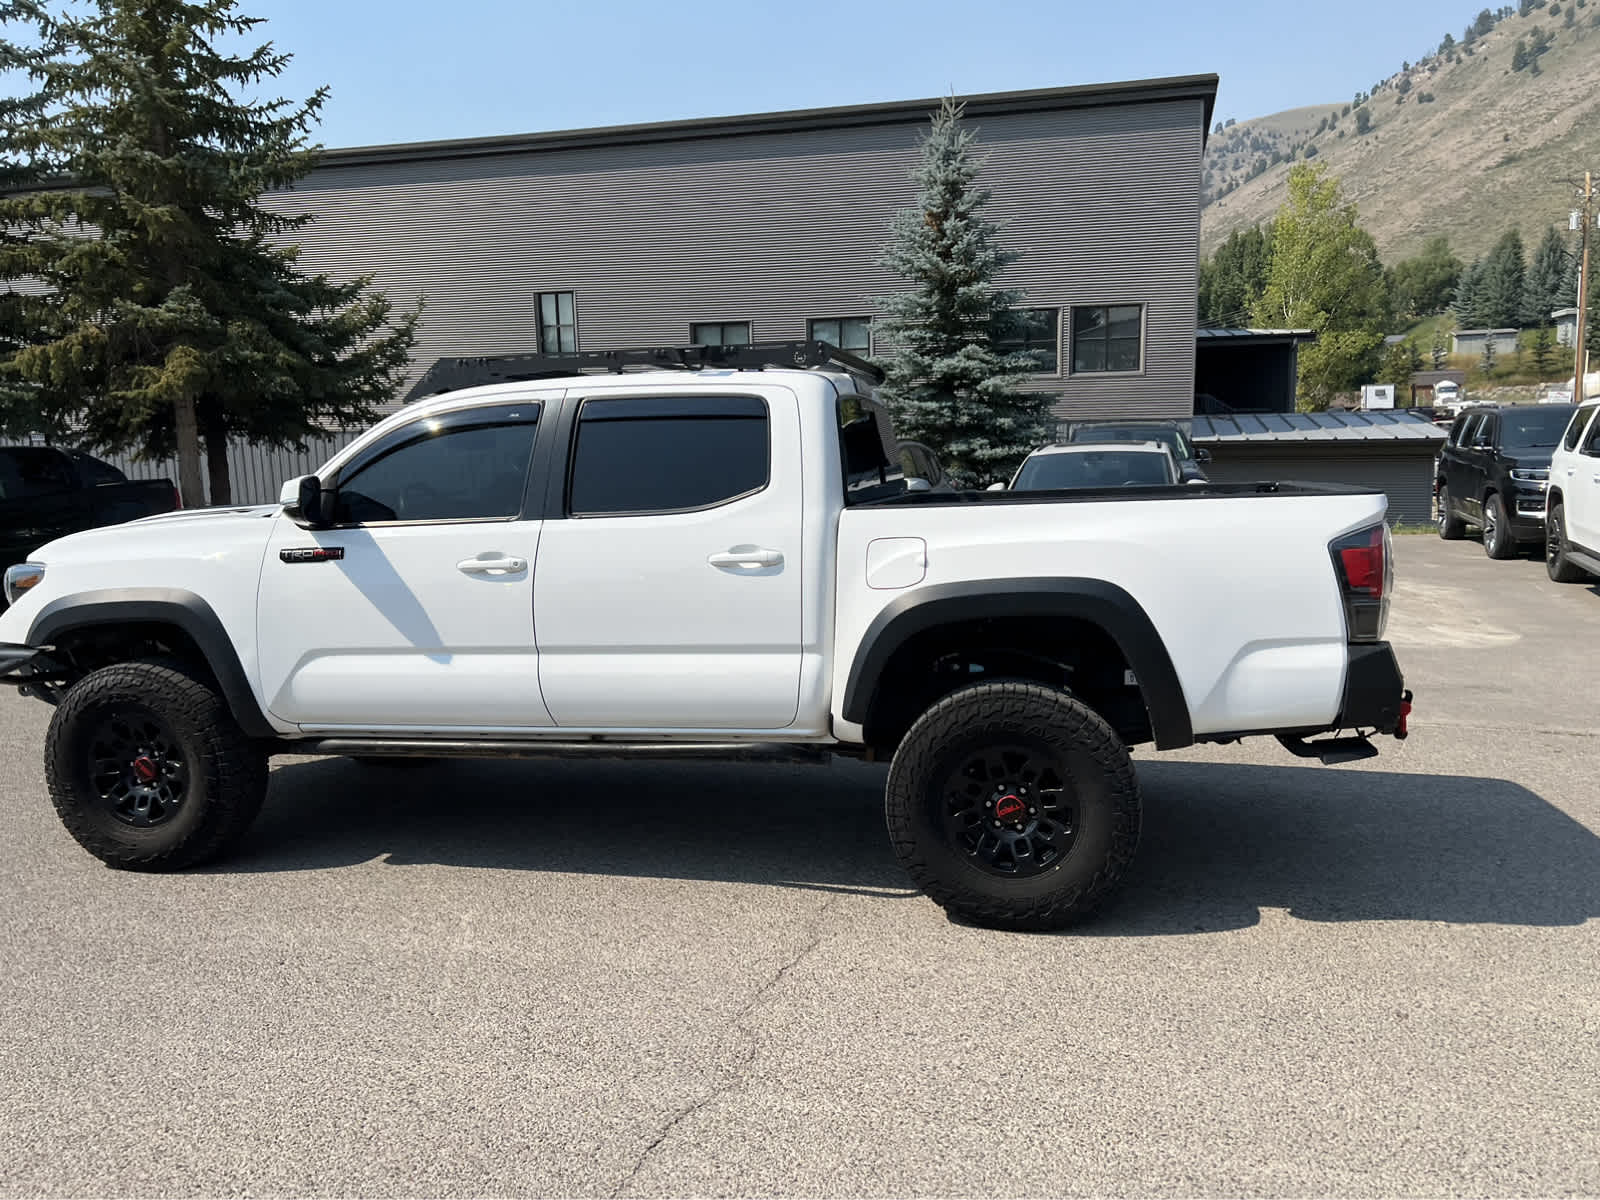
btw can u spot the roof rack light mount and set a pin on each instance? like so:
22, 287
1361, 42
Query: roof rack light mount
453, 374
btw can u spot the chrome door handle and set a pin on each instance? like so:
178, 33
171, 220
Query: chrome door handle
498, 565
753, 557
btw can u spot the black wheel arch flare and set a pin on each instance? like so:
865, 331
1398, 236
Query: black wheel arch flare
160, 606
1096, 601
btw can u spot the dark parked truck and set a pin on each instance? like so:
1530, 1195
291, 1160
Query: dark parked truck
47, 493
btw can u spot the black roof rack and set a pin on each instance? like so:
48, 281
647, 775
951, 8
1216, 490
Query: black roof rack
453, 374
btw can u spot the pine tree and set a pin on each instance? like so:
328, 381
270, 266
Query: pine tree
1468, 305
184, 315
949, 383
1543, 350
1487, 361
1547, 274
1501, 286
1440, 348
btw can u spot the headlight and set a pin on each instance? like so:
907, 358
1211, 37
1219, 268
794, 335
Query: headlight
1530, 474
20, 578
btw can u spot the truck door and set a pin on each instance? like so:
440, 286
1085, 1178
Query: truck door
1582, 495
40, 500
670, 584
1469, 465
416, 610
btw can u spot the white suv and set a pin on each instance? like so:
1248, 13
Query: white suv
1572, 504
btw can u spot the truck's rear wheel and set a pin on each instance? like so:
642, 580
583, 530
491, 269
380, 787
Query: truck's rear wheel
1451, 527
1013, 806
1497, 539
148, 769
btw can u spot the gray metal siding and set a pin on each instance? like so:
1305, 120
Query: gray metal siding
776, 229
256, 472
1407, 479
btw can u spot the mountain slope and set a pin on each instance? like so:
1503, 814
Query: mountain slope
1494, 148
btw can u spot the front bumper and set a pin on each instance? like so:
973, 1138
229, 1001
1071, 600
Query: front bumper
33, 669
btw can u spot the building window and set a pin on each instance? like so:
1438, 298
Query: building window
558, 323
1107, 337
848, 333
1036, 331
720, 333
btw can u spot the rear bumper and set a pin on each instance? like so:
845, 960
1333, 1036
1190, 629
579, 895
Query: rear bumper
1375, 694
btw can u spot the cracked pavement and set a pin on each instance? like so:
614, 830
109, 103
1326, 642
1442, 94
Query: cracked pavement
630, 979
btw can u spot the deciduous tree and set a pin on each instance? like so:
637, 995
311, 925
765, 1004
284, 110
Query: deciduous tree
1325, 276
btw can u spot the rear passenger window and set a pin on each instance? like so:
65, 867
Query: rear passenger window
667, 454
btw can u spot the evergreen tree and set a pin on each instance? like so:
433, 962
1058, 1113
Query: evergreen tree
1232, 278
1486, 363
950, 384
1325, 276
1468, 302
1547, 276
1440, 349
1501, 287
1543, 350
183, 315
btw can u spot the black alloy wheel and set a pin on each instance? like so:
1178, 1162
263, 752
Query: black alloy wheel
1451, 527
1010, 808
136, 766
1557, 565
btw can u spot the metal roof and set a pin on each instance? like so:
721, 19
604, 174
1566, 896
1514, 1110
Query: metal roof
1400, 426
1094, 95
1255, 335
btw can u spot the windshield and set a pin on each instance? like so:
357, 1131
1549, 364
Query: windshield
1170, 437
1536, 429
1093, 469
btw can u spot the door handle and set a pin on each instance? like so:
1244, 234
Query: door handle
754, 556
500, 564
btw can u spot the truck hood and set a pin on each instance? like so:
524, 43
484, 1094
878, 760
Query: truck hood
183, 532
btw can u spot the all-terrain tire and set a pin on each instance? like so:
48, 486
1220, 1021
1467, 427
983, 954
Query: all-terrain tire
1560, 568
1497, 539
1451, 527
927, 799
192, 788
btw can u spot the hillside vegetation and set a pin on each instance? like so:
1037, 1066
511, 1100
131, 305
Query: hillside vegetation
1458, 143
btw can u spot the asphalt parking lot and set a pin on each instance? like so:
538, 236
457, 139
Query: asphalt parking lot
509, 979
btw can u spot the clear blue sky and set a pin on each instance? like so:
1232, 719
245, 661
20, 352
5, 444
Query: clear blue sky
405, 70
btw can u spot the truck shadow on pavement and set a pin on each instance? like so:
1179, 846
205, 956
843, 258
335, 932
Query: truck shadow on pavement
1221, 841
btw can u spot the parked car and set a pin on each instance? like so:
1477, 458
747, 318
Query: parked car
1096, 465
1493, 471
707, 581
1572, 504
47, 493
1189, 457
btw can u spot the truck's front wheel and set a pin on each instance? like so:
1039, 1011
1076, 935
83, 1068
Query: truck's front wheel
1013, 806
148, 769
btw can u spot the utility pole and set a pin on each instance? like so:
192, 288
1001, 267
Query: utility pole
1580, 355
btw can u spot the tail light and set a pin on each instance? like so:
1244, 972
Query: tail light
1364, 564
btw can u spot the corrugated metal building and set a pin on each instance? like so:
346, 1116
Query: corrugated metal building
1391, 451
767, 227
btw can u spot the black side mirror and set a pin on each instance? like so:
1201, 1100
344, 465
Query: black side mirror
1202, 455
315, 503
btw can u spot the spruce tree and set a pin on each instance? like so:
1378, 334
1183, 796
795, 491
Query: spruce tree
949, 383
174, 308
1547, 274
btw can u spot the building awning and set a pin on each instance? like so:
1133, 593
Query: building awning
1253, 337
1392, 427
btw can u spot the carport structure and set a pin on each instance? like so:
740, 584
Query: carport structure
1391, 451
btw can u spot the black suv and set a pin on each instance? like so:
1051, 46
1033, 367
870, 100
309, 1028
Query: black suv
1493, 472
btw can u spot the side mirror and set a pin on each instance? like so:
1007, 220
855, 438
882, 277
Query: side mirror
918, 485
313, 503
1202, 455
996, 487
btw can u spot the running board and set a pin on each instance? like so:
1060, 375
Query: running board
1582, 558
766, 752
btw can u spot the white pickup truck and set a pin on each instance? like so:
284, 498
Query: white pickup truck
722, 560
1572, 501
